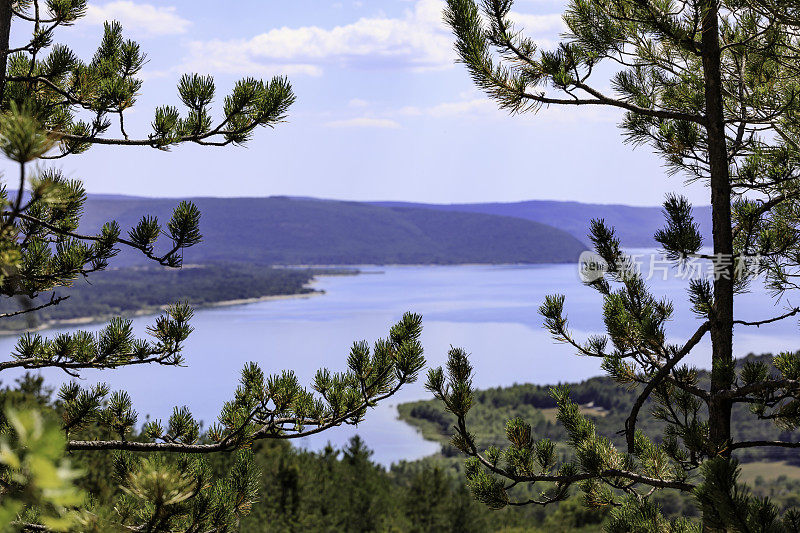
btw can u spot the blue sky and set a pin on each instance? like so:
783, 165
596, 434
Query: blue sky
383, 113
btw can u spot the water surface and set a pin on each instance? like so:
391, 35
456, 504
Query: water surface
489, 310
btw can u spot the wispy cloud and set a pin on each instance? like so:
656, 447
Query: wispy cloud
138, 18
540, 27
364, 122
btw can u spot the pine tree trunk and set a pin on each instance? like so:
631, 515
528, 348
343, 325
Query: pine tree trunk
722, 320
5, 35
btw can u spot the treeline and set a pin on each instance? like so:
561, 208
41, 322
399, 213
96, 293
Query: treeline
335, 490
126, 291
344, 490
600, 398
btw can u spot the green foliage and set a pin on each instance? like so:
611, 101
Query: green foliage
263, 407
22, 139
129, 291
38, 482
111, 347
58, 86
285, 488
498, 416
681, 238
42, 250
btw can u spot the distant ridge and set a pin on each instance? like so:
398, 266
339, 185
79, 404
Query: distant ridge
303, 231
635, 225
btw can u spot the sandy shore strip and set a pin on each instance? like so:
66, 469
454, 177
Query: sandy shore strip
245, 301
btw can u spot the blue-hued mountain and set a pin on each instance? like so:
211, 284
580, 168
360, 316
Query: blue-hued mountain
635, 225
301, 231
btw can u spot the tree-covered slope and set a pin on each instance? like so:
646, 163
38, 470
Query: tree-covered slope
127, 291
600, 398
635, 225
280, 230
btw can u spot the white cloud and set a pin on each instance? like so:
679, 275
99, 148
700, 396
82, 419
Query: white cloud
357, 102
534, 25
142, 19
416, 41
364, 122
214, 57
473, 107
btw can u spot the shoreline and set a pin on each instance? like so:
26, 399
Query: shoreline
379, 265
257, 299
87, 320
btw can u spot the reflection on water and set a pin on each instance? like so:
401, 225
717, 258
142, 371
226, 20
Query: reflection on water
489, 310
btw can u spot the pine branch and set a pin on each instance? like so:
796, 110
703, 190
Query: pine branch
759, 323
275, 429
630, 422
763, 443
98, 363
53, 301
760, 387
162, 259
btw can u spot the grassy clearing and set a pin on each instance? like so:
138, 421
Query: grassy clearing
597, 412
768, 470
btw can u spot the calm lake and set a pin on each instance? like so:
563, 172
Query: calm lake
489, 310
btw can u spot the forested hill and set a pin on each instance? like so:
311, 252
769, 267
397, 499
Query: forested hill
635, 225
604, 401
281, 230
